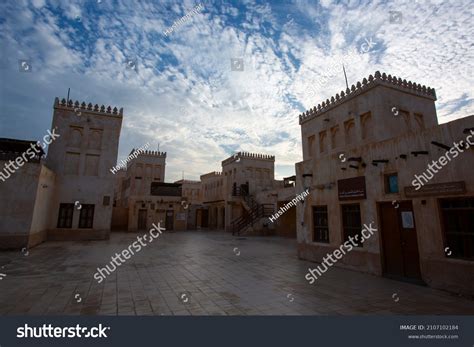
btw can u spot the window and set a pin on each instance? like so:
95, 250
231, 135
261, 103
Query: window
351, 222
366, 123
86, 217
320, 222
419, 121
458, 226
322, 141
310, 146
148, 170
95, 139
335, 136
126, 184
349, 131
106, 200
65, 215
92, 165
391, 183
75, 137
71, 164
405, 115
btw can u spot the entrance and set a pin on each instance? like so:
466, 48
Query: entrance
141, 219
401, 259
205, 218
169, 220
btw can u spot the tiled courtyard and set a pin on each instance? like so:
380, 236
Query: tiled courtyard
200, 273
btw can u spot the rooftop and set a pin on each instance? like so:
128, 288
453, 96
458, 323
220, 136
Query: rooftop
12, 148
211, 174
237, 156
359, 88
89, 108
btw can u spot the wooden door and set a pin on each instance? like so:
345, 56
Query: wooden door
142, 219
399, 242
169, 220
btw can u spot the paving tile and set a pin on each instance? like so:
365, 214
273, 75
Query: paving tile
266, 279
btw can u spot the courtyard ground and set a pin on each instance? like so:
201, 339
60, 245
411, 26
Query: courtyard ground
201, 273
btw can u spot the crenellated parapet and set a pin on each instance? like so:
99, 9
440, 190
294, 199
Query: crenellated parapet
359, 88
239, 155
89, 108
140, 151
154, 153
211, 174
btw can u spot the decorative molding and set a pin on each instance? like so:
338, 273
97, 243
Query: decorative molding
359, 88
247, 155
89, 108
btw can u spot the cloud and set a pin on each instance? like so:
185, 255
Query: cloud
183, 93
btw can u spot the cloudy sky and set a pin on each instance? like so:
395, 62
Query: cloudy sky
180, 90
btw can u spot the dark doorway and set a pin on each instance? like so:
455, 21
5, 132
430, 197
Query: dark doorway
401, 259
169, 220
223, 217
142, 219
205, 218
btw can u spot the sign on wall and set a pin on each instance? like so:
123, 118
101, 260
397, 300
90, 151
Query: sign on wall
352, 188
447, 188
407, 220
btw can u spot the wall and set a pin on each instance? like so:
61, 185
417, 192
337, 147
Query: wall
82, 158
437, 269
17, 204
41, 219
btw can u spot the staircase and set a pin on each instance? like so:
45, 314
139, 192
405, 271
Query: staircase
253, 210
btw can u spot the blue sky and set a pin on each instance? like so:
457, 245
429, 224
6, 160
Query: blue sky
182, 93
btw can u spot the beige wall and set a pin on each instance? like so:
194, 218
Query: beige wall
160, 204
212, 187
391, 138
41, 219
82, 158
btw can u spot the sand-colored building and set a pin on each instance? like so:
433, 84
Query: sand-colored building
364, 152
68, 195
241, 198
213, 192
191, 193
80, 192
145, 198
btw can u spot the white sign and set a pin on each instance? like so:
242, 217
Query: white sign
407, 220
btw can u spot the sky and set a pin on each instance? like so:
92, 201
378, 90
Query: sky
230, 76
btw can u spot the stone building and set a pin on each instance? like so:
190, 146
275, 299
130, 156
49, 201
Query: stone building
213, 193
364, 152
191, 193
241, 197
68, 195
80, 192
144, 196
26, 194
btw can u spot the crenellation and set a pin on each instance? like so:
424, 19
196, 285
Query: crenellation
373, 80
63, 103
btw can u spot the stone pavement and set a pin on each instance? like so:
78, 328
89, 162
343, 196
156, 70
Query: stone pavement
201, 273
